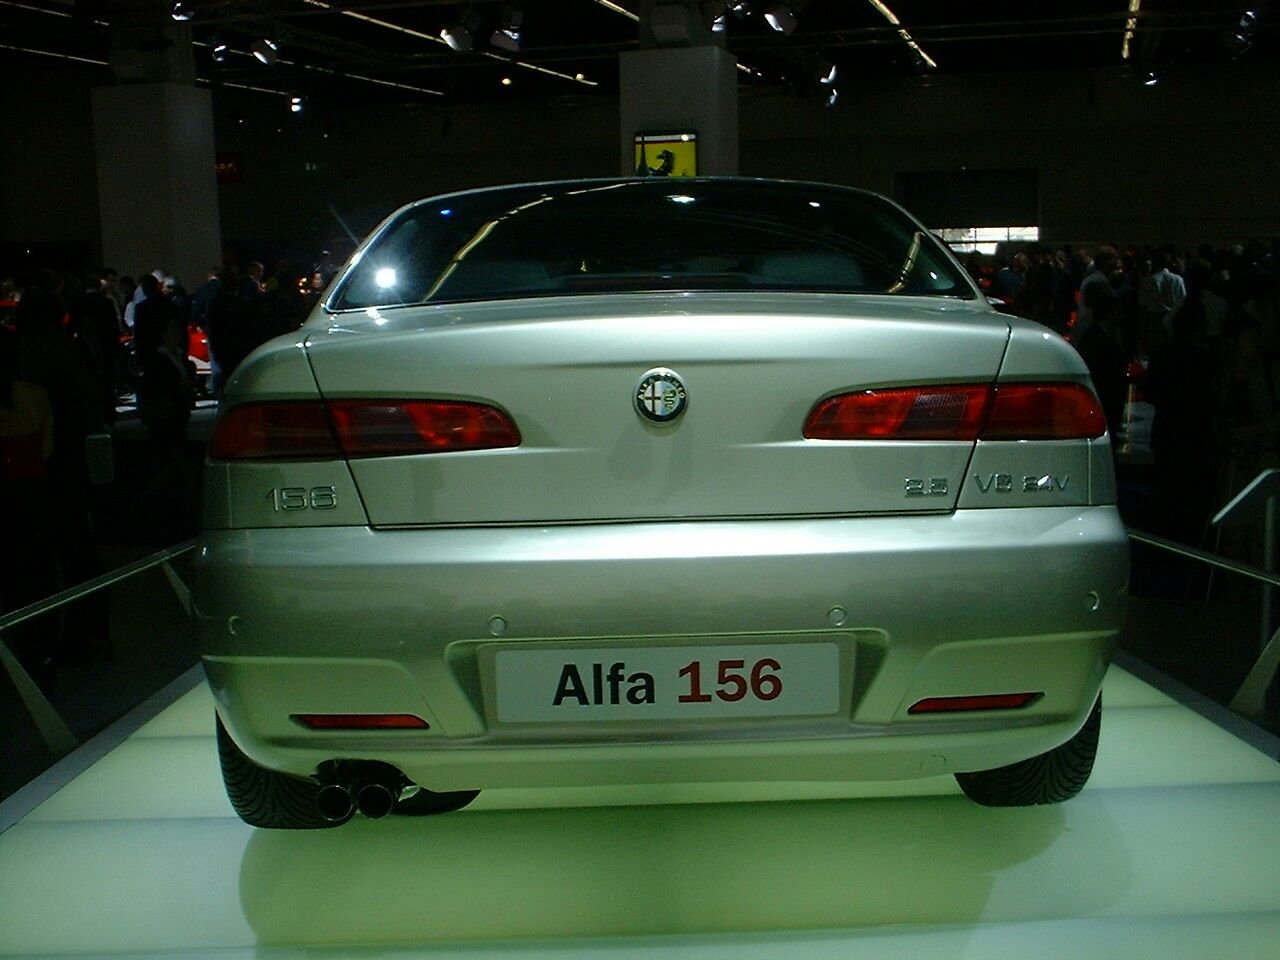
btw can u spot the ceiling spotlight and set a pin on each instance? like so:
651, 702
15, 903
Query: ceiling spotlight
265, 51
220, 50
507, 36
740, 8
1239, 38
720, 24
781, 19
832, 97
296, 104
827, 73
181, 12
459, 35
1150, 78
506, 81
579, 77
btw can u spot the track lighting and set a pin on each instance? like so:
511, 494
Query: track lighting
781, 18
507, 36
181, 12
264, 51
460, 34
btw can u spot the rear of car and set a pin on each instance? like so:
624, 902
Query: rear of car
610, 482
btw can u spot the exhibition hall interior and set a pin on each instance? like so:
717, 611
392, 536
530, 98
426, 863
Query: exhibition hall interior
408, 407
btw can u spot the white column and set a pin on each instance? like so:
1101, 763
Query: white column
157, 190
679, 89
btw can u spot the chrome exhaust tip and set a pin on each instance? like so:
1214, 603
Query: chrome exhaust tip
375, 800
334, 802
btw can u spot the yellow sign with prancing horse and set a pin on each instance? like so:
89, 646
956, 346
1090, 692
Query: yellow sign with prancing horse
666, 155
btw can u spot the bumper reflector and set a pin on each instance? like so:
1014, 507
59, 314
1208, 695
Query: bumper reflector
992, 701
360, 721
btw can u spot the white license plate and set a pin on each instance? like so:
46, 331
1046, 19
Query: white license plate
667, 683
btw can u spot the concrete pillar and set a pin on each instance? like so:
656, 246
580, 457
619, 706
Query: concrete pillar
681, 89
153, 141
157, 190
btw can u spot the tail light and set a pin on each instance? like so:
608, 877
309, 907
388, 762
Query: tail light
1019, 411
1044, 411
315, 430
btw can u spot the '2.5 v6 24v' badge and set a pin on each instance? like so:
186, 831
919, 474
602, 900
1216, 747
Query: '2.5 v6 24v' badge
660, 396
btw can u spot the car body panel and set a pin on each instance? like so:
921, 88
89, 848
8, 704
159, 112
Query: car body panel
280, 608
753, 368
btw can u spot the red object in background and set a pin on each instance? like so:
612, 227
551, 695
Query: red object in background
197, 344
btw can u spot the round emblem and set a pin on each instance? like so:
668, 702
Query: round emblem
660, 396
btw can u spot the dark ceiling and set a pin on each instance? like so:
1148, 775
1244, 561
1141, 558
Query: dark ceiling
376, 51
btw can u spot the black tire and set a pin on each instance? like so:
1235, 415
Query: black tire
1051, 777
266, 798
426, 802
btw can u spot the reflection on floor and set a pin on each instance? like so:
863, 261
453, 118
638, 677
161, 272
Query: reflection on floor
1172, 851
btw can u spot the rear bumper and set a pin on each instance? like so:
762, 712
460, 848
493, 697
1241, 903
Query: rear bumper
352, 620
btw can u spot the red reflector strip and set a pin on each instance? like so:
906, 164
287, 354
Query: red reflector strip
1044, 411
283, 430
993, 701
360, 721
904, 413
382, 428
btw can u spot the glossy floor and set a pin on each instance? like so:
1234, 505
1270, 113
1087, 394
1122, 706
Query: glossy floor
1172, 851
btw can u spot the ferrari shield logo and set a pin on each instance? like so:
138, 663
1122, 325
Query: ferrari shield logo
660, 396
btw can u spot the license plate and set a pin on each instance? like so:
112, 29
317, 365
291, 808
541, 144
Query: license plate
667, 683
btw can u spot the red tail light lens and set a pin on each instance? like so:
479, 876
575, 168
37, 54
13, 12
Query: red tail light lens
360, 721
1019, 411
360, 428
905, 413
274, 431
380, 428
1044, 411
994, 701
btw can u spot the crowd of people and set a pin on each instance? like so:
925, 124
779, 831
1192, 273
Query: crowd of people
70, 349
1194, 332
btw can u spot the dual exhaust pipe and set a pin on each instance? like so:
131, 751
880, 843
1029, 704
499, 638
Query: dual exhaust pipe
368, 786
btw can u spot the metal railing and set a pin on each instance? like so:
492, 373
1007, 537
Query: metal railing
50, 724
1250, 698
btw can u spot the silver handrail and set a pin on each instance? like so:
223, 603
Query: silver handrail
1250, 699
1212, 559
71, 594
49, 723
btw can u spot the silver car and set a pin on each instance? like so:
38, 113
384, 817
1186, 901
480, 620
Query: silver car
607, 482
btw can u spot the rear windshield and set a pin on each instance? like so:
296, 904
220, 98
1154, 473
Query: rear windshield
643, 235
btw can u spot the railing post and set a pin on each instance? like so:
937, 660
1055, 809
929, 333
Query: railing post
1269, 565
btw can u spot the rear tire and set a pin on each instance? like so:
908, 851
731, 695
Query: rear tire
266, 798
426, 803
1051, 777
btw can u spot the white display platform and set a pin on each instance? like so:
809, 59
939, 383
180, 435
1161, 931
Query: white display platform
1172, 851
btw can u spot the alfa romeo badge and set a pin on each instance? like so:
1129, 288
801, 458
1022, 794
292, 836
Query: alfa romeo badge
660, 396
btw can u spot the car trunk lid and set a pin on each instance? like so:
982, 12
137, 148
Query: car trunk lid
568, 370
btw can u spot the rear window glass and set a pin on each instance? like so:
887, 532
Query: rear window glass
644, 235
